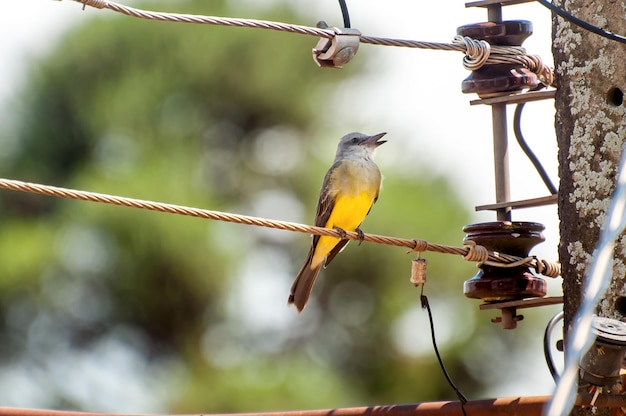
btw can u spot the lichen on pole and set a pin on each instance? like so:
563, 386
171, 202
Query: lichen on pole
591, 131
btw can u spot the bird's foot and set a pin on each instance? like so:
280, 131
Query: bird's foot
361, 235
341, 231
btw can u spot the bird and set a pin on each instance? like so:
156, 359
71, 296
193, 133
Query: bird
350, 188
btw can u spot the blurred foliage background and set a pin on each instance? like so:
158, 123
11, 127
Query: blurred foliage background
113, 309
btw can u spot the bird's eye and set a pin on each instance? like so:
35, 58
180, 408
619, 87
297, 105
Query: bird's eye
355, 140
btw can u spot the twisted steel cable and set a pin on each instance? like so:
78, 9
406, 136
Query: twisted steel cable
478, 52
471, 252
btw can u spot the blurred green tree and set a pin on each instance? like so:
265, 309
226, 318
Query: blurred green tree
219, 118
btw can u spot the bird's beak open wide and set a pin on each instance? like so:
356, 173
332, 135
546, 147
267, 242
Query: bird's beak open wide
375, 140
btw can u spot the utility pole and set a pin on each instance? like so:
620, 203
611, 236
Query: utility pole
591, 132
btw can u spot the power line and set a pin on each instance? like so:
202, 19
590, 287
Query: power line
517, 129
345, 13
471, 252
478, 52
579, 22
459, 394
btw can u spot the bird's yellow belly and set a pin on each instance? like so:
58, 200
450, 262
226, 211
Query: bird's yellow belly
348, 213
350, 210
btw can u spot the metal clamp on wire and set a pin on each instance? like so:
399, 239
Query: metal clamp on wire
337, 51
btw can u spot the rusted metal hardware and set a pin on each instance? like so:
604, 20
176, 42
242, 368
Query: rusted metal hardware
499, 79
528, 406
497, 84
508, 309
525, 203
498, 284
338, 50
504, 205
516, 98
602, 363
490, 3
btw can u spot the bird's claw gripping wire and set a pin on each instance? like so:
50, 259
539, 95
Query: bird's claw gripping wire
338, 50
341, 231
361, 235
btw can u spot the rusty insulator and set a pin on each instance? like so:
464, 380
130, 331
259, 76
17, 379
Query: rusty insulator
498, 79
493, 283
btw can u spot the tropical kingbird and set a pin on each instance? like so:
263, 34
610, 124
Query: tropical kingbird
350, 188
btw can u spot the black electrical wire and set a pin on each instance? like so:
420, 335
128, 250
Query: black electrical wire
462, 398
517, 118
344, 13
546, 345
585, 25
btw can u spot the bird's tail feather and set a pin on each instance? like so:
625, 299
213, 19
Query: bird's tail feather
301, 288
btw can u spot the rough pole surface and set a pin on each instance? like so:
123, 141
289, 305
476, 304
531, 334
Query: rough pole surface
591, 130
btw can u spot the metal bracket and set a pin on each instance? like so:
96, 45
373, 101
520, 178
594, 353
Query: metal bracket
487, 3
517, 98
508, 309
525, 203
339, 50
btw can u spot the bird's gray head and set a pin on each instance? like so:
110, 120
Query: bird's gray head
358, 145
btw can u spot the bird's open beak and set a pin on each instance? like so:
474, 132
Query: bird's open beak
375, 140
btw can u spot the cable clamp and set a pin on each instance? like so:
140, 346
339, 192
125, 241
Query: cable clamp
338, 50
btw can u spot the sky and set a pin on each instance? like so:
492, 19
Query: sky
414, 95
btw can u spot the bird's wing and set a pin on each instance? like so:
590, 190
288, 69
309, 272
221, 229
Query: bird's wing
325, 206
336, 250
326, 203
